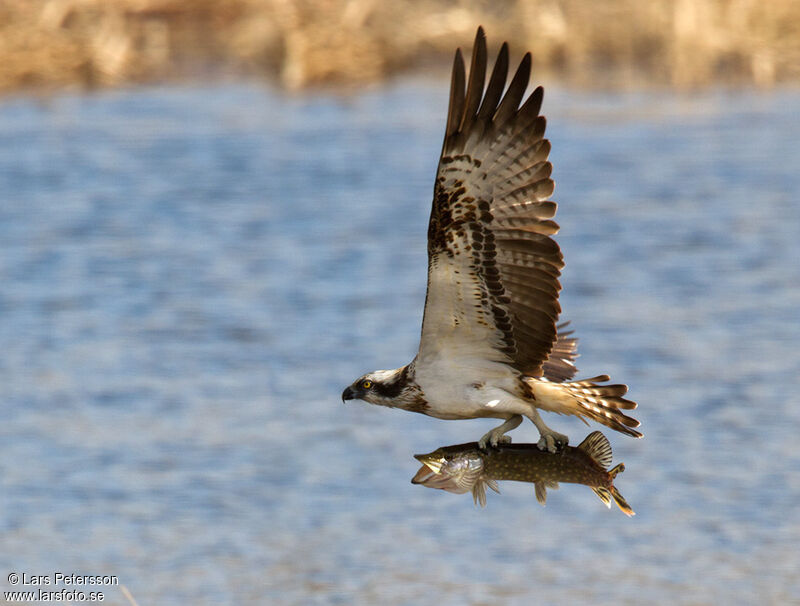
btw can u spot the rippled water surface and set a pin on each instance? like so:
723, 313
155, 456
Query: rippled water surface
190, 276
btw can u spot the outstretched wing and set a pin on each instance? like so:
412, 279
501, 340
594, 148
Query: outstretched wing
492, 267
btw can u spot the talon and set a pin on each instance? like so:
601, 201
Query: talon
493, 439
546, 443
552, 442
497, 435
498, 438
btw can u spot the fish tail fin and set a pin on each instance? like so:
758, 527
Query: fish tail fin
603, 493
618, 498
603, 403
596, 446
621, 502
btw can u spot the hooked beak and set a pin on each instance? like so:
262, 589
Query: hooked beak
348, 394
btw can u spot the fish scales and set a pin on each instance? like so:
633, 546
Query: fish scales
526, 463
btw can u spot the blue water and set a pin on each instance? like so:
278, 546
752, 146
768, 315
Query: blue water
190, 276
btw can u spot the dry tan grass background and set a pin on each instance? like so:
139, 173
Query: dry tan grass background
58, 43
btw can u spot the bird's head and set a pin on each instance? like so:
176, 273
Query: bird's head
381, 387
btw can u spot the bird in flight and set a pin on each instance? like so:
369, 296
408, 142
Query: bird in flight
490, 343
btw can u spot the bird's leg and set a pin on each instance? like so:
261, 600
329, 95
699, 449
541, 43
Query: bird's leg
497, 435
550, 440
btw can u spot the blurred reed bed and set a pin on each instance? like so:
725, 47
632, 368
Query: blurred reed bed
302, 43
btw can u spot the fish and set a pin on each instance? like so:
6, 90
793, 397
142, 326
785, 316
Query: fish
463, 468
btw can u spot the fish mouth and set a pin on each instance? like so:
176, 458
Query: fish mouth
441, 481
425, 474
427, 477
432, 463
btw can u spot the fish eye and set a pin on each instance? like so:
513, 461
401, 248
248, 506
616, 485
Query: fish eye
366, 384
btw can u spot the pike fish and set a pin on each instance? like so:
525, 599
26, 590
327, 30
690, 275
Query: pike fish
465, 467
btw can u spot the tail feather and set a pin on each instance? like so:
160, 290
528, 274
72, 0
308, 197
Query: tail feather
587, 399
604, 403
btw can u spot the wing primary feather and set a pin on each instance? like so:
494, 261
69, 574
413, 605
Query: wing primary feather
456, 109
497, 83
515, 92
477, 78
530, 109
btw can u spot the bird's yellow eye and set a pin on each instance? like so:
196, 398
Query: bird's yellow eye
366, 384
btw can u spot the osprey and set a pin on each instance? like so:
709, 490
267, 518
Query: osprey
490, 345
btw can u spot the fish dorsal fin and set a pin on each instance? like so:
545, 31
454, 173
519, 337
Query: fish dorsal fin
597, 447
479, 492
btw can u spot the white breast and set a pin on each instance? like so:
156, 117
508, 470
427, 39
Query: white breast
466, 391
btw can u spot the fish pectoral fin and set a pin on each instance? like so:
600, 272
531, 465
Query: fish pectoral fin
479, 493
541, 492
491, 483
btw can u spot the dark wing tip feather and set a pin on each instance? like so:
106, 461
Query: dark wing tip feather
473, 102
534, 102
477, 78
497, 82
515, 93
456, 107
